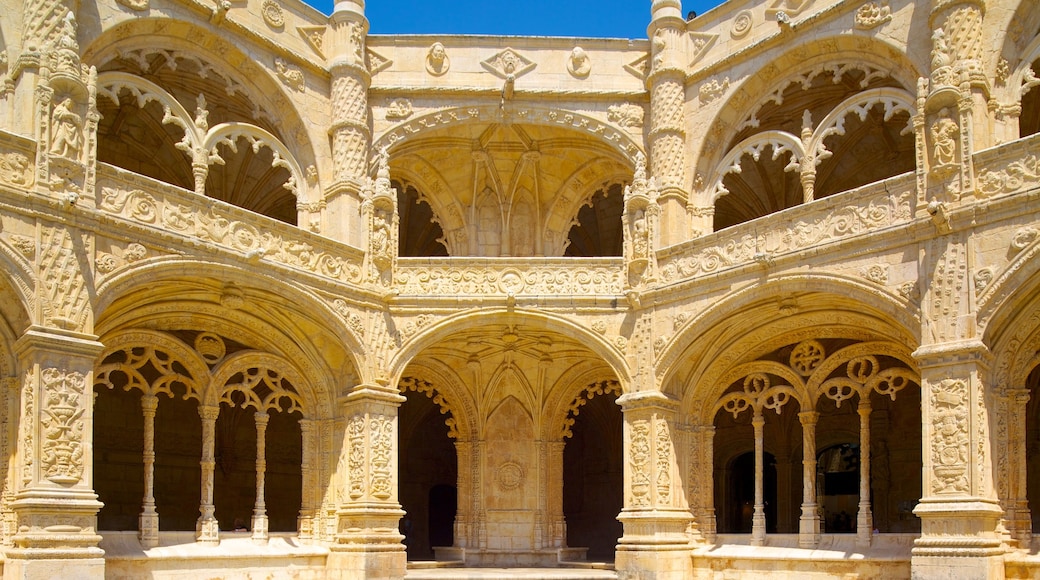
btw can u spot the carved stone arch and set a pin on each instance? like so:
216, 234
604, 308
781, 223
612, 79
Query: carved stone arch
301, 399
197, 381
425, 180
847, 293
779, 141
570, 197
842, 356
441, 382
829, 52
228, 134
1007, 285
19, 275
1018, 47
112, 84
171, 300
147, 273
442, 329
562, 403
601, 131
893, 100
220, 60
796, 384
1012, 331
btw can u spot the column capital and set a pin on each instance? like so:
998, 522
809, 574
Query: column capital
647, 400
375, 392
950, 353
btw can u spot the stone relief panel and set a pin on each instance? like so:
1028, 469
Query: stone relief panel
949, 440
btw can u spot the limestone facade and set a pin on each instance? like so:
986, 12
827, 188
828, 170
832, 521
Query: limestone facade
756, 296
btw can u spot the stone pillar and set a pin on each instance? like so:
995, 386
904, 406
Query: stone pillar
350, 132
557, 523
758, 518
952, 101
206, 528
309, 502
148, 523
809, 522
368, 544
655, 544
1018, 513
55, 506
706, 513
864, 518
666, 139
464, 494
959, 511
260, 523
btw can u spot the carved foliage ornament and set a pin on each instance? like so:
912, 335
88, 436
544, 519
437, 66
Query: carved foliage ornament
62, 426
272, 13
949, 436
639, 459
873, 14
628, 115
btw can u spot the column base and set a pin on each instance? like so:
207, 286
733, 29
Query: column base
959, 539
368, 545
655, 546
42, 567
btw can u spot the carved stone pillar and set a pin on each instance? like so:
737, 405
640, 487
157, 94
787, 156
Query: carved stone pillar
349, 129
464, 514
758, 517
705, 514
55, 505
380, 214
655, 544
959, 511
864, 518
955, 99
148, 523
809, 522
666, 139
557, 523
640, 224
206, 528
1017, 513
368, 543
260, 509
308, 503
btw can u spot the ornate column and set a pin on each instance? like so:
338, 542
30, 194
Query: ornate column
148, 523
368, 544
349, 129
951, 102
206, 529
809, 522
640, 227
864, 518
381, 218
1017, 512
706, 514
655, 544
959, 511
557, 523
260, 509
464, 515
305, 521
55, 505
758, 518
666, 139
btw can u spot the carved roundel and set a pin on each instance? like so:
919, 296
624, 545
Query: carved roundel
807, 356
741, 24
511, 282
510, 475
210, 347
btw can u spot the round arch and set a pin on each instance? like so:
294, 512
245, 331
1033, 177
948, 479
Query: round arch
613, 136
841, 292
444, 383
790, 67
222, 61
284, 319
475, 319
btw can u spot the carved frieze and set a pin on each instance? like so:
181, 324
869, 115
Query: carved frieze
534, 279
16, 170
381, 450
290, 75
712, 90
793, 233
355, 459
1015, 176
627, 115
639, 460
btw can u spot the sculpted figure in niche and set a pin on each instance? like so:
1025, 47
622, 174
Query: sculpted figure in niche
65, 136
437, 62
381, 237
640, 244
944, 137
579, 65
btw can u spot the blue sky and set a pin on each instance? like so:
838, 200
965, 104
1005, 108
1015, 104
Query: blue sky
586, 18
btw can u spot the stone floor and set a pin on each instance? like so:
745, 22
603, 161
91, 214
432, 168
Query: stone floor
508, 574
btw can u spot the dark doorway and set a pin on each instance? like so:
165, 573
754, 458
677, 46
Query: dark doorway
443, 504
741, 493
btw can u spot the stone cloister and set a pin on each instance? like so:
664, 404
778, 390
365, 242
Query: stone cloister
756, 296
